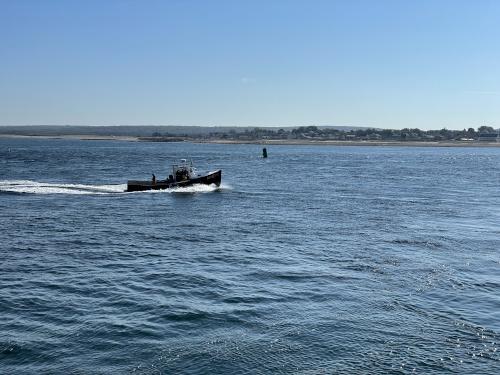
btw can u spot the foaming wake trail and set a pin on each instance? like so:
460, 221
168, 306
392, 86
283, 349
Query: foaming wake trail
198, 188
34, 187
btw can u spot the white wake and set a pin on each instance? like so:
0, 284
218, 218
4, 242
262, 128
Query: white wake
198, 188
35, 187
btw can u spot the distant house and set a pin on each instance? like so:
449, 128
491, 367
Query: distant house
489, 137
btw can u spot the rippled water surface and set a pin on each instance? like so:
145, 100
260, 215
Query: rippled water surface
315, 260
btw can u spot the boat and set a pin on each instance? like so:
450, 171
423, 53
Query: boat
183, 174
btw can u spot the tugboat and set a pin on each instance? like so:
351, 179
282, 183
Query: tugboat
183, 174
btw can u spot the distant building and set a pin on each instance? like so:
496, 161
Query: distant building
489, 137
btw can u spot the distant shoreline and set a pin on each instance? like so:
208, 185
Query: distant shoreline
81, 137
275, 142
359, 143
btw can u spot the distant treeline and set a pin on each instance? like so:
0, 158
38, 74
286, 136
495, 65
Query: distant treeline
331, 133
158, 132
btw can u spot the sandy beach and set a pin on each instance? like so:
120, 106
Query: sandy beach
82, 137
274, 142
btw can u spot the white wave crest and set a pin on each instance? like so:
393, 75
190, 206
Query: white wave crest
34, 187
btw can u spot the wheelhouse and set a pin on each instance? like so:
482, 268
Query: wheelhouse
183, 171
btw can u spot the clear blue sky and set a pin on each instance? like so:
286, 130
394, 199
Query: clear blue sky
426, 63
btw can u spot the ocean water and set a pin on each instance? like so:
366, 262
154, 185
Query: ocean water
317, 260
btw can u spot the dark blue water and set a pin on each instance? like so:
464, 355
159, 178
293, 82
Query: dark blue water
316, 260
